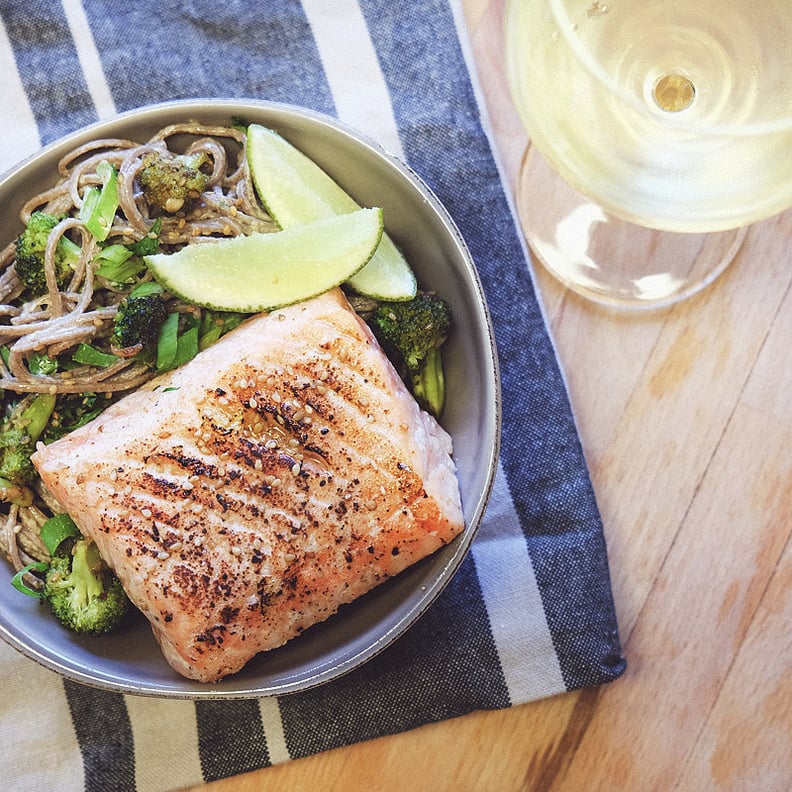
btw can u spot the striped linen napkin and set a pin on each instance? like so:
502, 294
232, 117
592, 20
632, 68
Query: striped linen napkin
530, 612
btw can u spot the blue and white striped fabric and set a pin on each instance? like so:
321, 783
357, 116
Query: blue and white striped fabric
530, 613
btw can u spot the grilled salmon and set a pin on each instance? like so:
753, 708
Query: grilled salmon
246, 496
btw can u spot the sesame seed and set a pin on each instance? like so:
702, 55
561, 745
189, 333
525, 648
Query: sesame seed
146, 512
271, 444
188, 485
162, 555
371, 504
276, 397
175, 547
296, 468
236, 550
198, 541
276, 482
258, 464
253, 403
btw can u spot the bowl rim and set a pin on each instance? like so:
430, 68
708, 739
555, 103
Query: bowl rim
191, 689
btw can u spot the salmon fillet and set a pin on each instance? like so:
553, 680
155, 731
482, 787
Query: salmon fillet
246, 496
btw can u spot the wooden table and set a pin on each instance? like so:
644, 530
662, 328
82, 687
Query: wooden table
686, 420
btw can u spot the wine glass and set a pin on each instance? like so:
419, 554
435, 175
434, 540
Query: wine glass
660, 129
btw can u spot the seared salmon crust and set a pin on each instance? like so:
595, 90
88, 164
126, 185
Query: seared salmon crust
246, 496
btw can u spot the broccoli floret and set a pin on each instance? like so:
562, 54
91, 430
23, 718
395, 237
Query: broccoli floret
83, 592
169, 182
30, 247
19, 433
411, 333
140, 317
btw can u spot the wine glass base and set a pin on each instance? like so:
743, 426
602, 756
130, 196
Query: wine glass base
611, 261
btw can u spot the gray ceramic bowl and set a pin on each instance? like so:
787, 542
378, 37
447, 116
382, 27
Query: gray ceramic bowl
130, 661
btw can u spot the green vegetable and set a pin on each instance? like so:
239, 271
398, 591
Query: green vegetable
167, 343
170, 182
40, 363
30, 247
73, 411
140, 317
83, 592
56, 531
100, 205
18, 581
150, 243
215, 324
411, 333
187, 342
19, 433
178, 341
91, 356
122, 264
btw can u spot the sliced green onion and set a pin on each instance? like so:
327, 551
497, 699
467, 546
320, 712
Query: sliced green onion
186, 346
99, 206
150, 243
168, 342
114, 254
18, 581
215, 325
42, 364
144, 289
38, 413
123, 273
91, 356
55, 530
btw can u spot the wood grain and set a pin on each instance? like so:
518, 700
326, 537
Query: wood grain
686, 420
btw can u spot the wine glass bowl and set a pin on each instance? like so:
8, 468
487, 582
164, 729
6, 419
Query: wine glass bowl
664, 119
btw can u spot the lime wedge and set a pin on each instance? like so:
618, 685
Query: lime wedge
294, 189
265, 271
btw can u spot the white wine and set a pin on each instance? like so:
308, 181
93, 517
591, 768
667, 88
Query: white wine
673, 114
